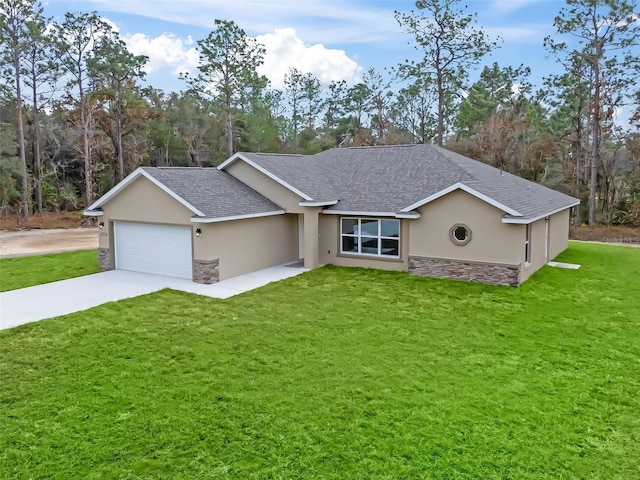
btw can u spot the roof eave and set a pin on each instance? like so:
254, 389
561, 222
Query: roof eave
409, 215
93, 213
364, 213
236, 217
327, 203
525, 221
467, 189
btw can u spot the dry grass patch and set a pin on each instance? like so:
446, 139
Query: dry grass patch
606, 234
44, 220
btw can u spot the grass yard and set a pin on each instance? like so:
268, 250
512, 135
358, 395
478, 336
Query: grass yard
338, 374
28, 271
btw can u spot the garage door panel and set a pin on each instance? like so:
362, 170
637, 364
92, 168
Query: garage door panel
157, 249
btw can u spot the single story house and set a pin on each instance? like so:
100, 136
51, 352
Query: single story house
416, 208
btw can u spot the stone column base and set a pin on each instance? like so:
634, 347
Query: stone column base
489, 273
105, 260
206, 271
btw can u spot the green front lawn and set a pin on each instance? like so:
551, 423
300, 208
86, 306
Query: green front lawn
28, 271
338, 374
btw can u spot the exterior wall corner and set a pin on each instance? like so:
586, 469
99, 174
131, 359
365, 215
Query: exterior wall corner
311, 229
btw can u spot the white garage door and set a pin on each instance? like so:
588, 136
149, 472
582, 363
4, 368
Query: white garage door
158, 249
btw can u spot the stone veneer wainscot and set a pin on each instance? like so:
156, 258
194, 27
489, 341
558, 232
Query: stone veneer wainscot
105, 261
206, 271
490, 273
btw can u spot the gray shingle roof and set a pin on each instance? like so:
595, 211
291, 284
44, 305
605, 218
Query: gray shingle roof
391, 178
387, 179
215, 193
303, 172
528, 198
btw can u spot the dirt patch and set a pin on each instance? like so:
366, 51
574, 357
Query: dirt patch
38, 242
47, 220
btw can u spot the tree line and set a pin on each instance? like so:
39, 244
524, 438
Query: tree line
76, 118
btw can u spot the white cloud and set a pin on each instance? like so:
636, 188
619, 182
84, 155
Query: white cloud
284, 49
111, 24
166, 50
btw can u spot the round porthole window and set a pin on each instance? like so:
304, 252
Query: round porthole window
460, 234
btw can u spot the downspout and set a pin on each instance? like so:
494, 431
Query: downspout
546, 239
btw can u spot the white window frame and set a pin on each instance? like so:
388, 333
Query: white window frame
456, 240
527, 244
358, 237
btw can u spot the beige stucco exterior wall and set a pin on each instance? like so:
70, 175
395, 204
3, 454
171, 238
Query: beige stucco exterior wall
558, 233
491, 240
266, 186
538, 248
311, 226
141, 201
241, 246
247, 245
545, 245
329, 247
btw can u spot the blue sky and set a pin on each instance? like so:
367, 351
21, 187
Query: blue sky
333, 39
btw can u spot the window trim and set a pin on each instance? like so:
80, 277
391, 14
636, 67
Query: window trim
454, 239
527, 244
358, 238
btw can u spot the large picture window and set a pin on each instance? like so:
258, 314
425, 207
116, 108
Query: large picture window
370, 236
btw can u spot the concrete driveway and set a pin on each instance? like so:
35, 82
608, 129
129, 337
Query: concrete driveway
31, 304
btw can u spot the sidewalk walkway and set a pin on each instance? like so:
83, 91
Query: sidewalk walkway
31, 304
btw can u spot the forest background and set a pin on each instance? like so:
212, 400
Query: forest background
76, 115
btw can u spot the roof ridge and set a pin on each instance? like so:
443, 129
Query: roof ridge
486, 168
171, 167
275, 154
357, 147
450, 157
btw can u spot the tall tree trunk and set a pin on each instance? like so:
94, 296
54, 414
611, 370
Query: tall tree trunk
119, 136
440, 109
577, 221
88, 183
84, 124
294, 117
85, 120
21, 146
595, 133
381, 130
229, 124
37, 156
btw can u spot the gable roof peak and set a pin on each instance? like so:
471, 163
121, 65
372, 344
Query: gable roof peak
209, 193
